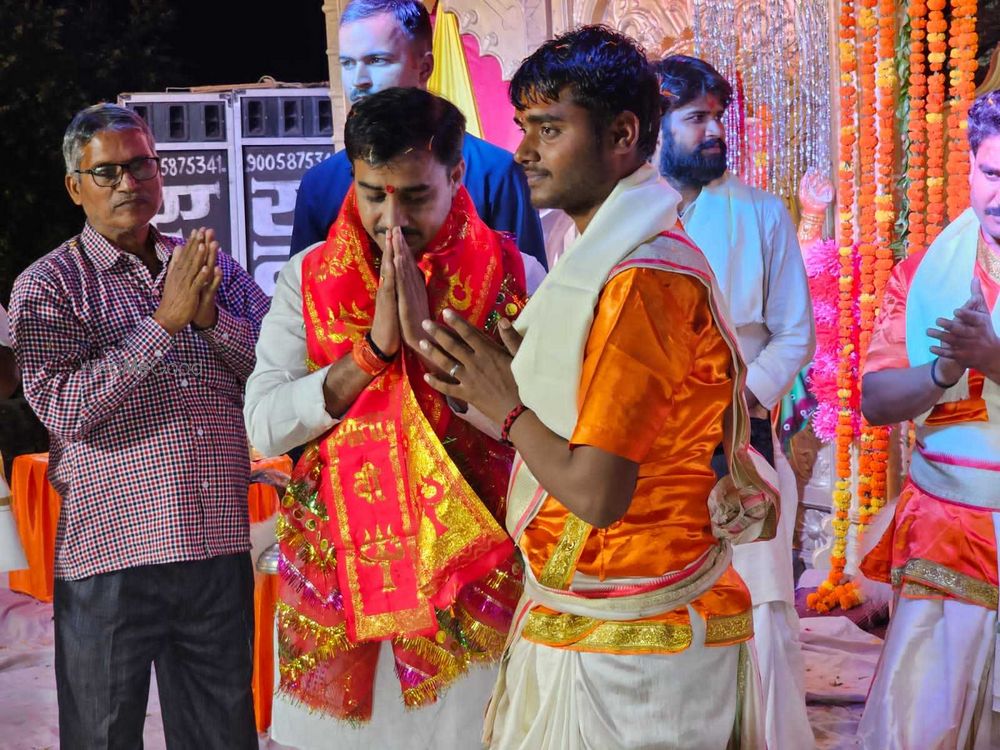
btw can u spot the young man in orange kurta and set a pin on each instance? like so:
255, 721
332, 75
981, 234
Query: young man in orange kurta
633, 628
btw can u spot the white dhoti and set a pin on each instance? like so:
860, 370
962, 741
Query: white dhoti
454, 721
702, 698
766, 567
782, 677
933, 688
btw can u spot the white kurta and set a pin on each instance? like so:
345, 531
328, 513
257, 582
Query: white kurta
284, 409
933, 682
750, 242
455, 721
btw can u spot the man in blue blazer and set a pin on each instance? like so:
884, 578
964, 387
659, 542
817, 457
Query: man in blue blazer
385, 43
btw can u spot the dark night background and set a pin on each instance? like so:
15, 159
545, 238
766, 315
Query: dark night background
57, 57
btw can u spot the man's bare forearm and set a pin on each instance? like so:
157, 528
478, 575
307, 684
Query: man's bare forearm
896, 395
596, 486
344, 383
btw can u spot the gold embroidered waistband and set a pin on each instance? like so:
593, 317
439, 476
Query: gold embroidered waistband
580, 633
918, 575
559, 568
729, 629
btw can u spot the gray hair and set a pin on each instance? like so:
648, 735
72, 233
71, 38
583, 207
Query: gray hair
93, 120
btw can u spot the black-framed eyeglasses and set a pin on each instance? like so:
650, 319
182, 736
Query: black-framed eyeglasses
109, 175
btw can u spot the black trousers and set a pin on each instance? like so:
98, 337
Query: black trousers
761, 438
193, 620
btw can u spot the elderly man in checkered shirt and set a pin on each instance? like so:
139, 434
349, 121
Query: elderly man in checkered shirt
134, 349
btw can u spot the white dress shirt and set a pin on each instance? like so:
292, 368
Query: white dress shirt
284, 406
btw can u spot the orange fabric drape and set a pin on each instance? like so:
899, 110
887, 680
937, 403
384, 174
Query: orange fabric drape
263, 503
36, 504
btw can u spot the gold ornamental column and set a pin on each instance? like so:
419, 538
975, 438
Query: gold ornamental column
332, 10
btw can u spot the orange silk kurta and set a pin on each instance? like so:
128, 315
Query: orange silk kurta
933, 548
656, 381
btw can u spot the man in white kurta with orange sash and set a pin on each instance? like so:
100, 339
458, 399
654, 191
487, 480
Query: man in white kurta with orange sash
935, 359
749, 240
397, 582
634, 629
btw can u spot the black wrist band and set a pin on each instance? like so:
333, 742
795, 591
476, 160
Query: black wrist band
375, 350
937, 382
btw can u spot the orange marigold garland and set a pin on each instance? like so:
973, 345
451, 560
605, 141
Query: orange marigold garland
834, 591
917, 129
868, 142
937, 27
963, 43
873, 456
867, 227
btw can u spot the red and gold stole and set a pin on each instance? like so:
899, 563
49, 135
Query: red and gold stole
388, 528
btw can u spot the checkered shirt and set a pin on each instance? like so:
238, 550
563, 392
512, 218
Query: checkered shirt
148, 447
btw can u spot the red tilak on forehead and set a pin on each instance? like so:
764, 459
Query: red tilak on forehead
390, 188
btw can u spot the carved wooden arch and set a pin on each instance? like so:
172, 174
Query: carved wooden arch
508, 30
662, 28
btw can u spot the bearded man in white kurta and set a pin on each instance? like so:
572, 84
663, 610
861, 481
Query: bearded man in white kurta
749, 240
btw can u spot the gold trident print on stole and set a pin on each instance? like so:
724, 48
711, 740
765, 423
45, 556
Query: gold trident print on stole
433, 494
355, 322
382, 552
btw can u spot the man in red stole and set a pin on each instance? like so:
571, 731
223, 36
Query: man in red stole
396, 578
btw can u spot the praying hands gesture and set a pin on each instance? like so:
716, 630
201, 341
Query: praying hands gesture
968, 341
410, 288
410, 285
479, 369
594, 484
193, 278
401, 300
385, 323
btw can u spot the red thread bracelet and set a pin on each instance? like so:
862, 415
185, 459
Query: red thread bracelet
366, 359
509, 422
